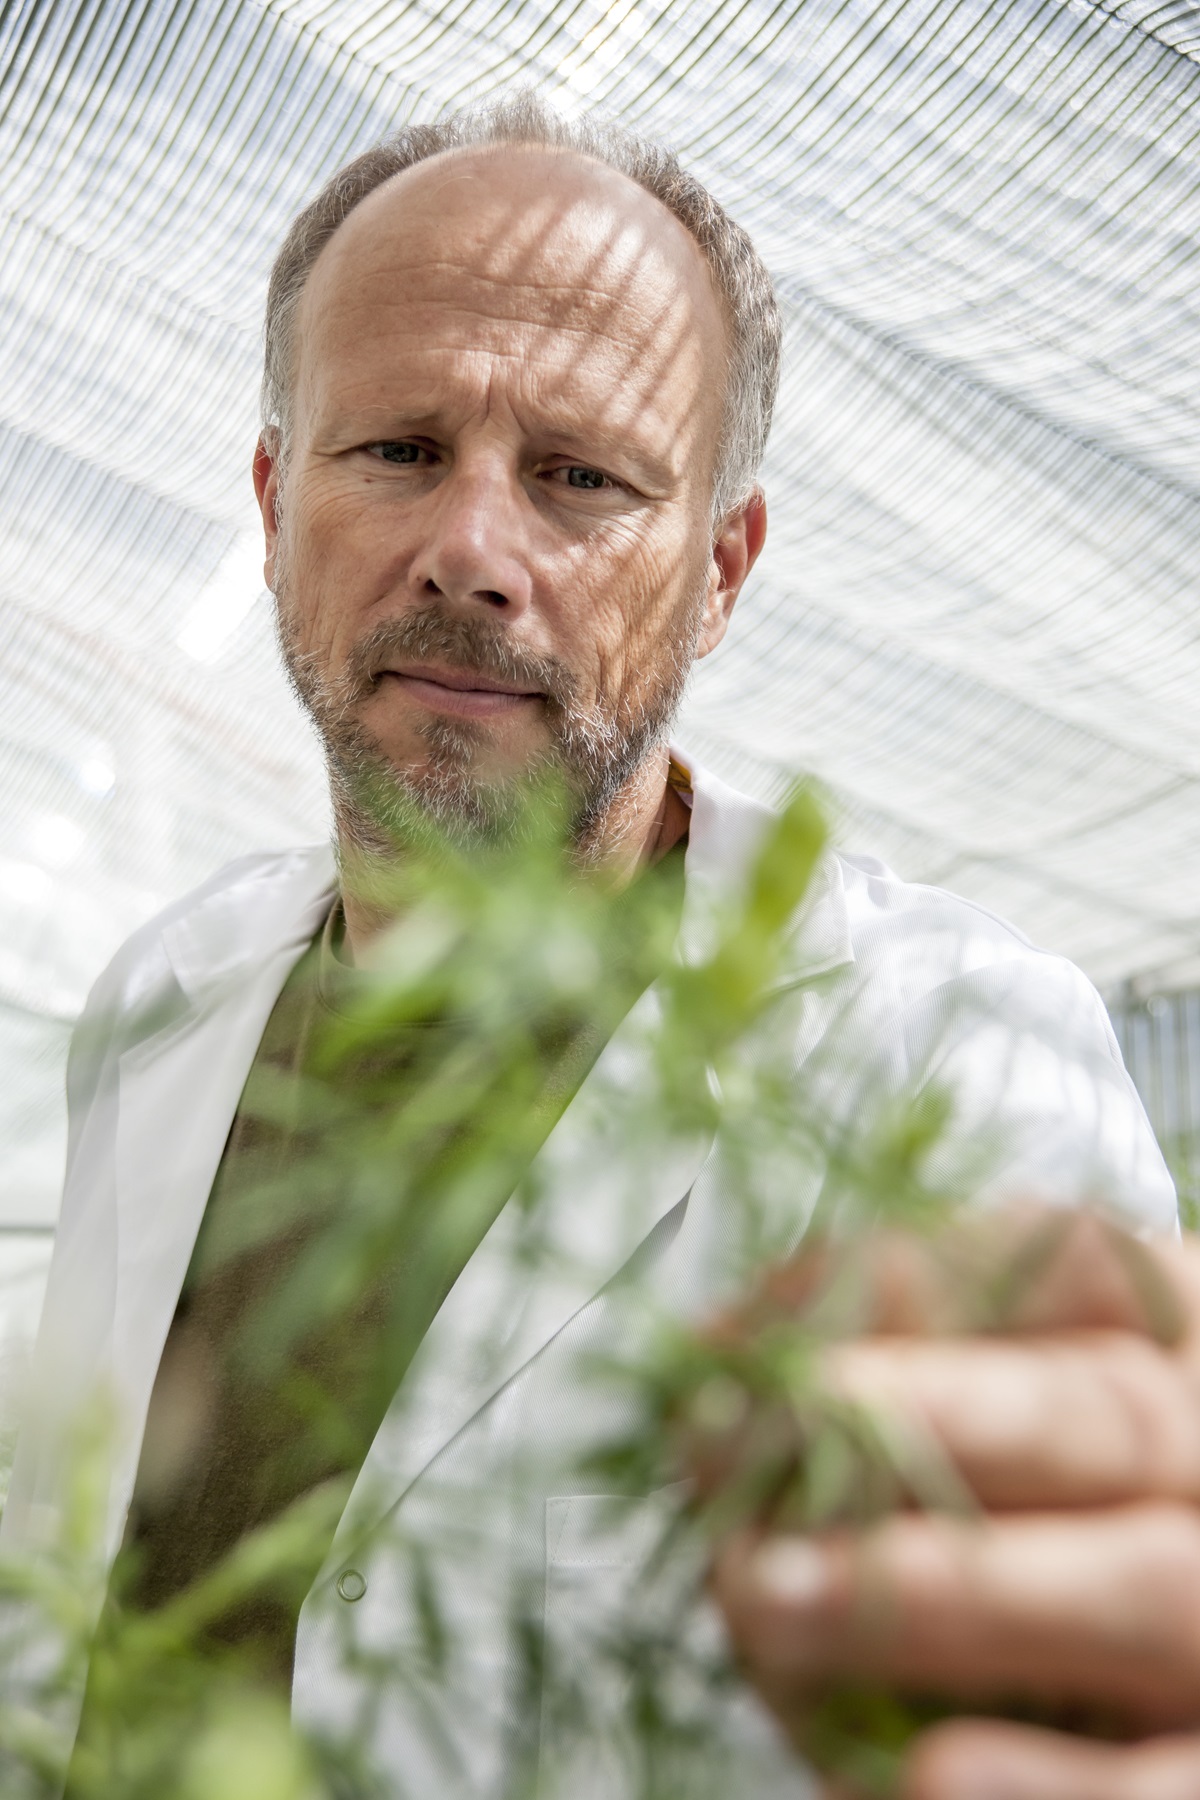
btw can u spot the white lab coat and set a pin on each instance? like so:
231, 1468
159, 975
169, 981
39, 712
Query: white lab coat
476, 1464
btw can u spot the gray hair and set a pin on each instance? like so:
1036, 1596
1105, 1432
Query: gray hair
737, 270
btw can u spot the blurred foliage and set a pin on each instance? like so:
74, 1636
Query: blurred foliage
1182, 1153
533, 961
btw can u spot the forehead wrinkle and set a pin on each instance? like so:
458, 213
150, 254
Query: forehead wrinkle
554, 300
567, 256
461, 336
618, 262
471, 320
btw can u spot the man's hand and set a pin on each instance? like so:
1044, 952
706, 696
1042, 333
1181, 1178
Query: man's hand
1074, 1419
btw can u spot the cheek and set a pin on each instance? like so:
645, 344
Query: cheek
638, 607
333, 557
635, 582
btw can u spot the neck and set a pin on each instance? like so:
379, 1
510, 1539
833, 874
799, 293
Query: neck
646, 819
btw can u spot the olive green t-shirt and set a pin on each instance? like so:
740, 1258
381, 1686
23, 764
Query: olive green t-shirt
253, 1408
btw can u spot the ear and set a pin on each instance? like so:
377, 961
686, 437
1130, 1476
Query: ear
734, 554
266, 489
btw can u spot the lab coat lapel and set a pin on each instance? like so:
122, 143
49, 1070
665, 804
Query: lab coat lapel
727, 830
179, 1091
193, 994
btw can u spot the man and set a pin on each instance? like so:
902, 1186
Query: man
519, 376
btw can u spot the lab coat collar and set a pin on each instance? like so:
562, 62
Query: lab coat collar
232, 927
727, 829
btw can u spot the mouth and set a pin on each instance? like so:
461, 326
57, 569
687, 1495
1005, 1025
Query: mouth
465, 693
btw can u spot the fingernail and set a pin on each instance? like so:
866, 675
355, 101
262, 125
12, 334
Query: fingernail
791, 1571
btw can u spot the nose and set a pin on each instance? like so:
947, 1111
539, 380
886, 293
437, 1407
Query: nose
473, 551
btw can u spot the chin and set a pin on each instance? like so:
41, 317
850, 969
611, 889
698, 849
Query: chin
489, 753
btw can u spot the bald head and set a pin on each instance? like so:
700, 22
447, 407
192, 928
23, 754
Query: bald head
515, 204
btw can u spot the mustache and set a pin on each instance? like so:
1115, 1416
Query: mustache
477, 646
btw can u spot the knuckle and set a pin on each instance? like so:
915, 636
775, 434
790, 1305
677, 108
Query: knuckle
1160, 1428
1165, 1580
1165, 1769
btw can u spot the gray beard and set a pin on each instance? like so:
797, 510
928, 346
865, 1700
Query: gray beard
594, 757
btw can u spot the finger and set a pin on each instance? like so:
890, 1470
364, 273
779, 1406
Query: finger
1031, 1268
969, 1759
1079, 1419
1100, 1609
1014, 1269
1096, 1275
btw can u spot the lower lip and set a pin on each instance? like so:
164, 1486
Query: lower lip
464, 703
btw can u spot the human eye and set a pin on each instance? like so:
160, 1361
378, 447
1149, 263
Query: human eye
399, 450
581, 475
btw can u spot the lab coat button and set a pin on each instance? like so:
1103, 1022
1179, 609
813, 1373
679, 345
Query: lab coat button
351, 1585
